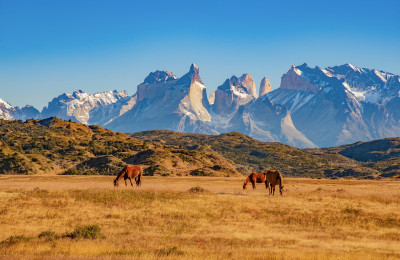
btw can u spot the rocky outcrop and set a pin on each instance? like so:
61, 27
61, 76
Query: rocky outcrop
293, 79
211, 98
177, 104
234, 93
265, 87
155, 85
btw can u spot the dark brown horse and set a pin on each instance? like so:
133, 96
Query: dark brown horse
274, 178
256, 178
129, 172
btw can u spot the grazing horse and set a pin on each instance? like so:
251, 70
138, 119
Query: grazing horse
274, 178
129, 172
256, 177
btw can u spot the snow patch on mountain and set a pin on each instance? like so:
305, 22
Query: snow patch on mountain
5, 104
239, 92
233, 93
78, 105
293, 99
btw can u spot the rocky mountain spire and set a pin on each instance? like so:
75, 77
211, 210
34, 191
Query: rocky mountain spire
234, 93
247, 82
194, 73
265, 87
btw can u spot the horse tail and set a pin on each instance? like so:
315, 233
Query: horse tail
246, 182
280, 179
280, 182
139, 177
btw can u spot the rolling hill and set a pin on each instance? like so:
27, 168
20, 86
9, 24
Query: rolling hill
55, 146
259, 156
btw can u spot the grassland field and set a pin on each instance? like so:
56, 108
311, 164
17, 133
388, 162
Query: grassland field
198, 218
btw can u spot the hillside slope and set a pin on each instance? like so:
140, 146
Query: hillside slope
54, 146
260, 156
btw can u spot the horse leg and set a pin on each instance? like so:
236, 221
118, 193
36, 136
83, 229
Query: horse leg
273, 190
131, 181
254, 184
126, 184
267, 185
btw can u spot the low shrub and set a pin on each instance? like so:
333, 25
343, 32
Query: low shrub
15, 240
170, 251
48, 235
85, 232
197, 189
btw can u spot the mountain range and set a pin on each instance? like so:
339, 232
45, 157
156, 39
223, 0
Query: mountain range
313, 107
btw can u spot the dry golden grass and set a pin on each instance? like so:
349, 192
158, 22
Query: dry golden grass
315, 219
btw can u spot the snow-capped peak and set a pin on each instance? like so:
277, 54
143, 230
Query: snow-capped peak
80, 103
5, 104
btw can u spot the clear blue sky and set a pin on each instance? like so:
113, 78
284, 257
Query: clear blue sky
56, 46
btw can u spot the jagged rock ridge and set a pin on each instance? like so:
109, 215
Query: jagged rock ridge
313, 106
341, 104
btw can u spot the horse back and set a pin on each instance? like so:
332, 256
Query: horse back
133, 170
258, 177
273, 177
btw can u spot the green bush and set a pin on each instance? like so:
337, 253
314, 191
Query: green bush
48, 235
199, 173
85, 232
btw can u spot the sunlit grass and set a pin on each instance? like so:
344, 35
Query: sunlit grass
315, 219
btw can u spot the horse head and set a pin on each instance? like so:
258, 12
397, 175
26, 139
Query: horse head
115, 183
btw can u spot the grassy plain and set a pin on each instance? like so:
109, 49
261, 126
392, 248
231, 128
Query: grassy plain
315, 219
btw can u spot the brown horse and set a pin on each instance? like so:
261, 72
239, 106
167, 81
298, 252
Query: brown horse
274, 178
256, 177
129, 172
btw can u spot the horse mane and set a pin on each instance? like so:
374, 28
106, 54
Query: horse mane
122, 173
